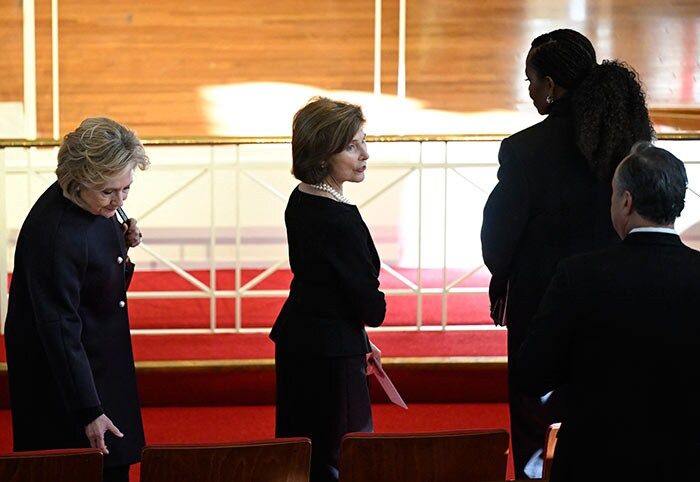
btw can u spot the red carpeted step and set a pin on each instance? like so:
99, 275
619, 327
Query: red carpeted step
237, 369
252, 346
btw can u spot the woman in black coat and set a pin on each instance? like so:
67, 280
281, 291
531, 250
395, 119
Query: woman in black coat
552, 199
321, 347
69, 356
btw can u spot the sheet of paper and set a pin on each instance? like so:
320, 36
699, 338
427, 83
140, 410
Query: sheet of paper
387, 385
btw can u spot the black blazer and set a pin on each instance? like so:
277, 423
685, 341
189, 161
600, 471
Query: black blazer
69, 354
547, 205
621, 327
335, 289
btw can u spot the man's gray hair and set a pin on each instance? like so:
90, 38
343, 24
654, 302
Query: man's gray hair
657, 181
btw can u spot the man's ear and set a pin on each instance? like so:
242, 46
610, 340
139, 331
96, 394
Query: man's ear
627, 203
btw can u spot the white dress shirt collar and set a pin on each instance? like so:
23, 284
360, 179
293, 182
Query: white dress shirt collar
655, 229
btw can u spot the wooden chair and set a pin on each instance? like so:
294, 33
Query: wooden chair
549, 443
455, 456
284, 460
65, 465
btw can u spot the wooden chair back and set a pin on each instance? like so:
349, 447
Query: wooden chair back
64, 465
550, 443
274, 460
454, 456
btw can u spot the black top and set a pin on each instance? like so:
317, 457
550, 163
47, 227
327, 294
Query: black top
547, 205
335, 289
69, 354
620, 327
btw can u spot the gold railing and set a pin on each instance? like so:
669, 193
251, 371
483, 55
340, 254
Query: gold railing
218, 140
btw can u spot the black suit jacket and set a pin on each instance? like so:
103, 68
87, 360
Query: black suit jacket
547, 205
335, 289
69, 354
621, 326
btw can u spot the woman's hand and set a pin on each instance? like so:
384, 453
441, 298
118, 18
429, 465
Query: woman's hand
95, 432
132, 234
374, 358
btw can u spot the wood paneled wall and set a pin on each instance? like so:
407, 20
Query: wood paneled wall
144, 62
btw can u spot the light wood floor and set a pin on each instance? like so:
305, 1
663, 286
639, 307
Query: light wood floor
183, 67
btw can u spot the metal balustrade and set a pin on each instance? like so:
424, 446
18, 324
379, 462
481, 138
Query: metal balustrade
441, 172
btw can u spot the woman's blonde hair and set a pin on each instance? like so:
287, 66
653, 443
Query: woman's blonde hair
97, 152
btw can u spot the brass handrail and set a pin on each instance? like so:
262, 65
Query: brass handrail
214, 140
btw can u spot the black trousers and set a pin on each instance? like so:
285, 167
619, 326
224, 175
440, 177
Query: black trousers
322, 399
529, 418
116, 474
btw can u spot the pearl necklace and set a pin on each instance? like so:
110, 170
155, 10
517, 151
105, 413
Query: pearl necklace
324, 186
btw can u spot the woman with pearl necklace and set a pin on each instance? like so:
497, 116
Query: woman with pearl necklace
322, 352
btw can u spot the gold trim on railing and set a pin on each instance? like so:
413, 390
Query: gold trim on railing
267, 363
201, 141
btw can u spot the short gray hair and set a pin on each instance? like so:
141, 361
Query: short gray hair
97, 152
657, 181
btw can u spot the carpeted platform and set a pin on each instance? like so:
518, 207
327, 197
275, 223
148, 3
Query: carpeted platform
233, 369
220, 387
260, 312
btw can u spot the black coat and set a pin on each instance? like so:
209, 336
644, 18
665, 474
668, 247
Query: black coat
547, 205
335, 289
620, 326
69, 354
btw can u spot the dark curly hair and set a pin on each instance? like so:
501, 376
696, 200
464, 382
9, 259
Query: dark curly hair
609, 106
610, 116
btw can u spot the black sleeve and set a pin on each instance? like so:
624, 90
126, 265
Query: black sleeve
350, 259
544, 359
55, 279
505, 216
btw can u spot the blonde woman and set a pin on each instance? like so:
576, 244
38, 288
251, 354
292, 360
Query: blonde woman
69, 355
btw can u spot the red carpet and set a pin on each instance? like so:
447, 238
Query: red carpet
236, 424
255, 346
457, 380
261, 312
258, 345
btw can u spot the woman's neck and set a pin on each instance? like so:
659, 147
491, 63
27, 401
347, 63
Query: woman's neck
338, 186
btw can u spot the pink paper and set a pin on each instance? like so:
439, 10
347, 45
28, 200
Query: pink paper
386, 384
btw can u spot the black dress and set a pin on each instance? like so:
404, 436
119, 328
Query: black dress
69, 354
546, 206
319, 335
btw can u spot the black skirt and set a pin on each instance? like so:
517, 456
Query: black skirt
323, 399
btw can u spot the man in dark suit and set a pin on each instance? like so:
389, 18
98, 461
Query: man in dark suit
620, 326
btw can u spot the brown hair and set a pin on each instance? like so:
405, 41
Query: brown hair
321, 128
98, 151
